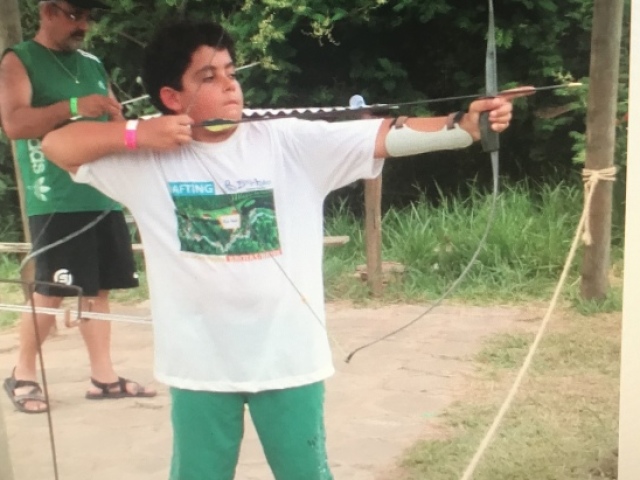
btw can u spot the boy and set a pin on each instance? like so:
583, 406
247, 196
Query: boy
231, 221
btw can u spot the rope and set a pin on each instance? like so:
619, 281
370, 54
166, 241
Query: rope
592, 177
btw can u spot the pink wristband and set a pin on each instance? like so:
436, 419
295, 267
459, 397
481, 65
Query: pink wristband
130, 134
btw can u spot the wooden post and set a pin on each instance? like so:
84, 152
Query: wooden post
373, 229
629, 422
601, 135
28, 272
10, 33
373, 234
6, 470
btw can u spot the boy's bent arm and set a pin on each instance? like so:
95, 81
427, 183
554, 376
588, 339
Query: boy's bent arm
83, 142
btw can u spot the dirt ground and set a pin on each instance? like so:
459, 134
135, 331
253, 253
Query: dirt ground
377, 406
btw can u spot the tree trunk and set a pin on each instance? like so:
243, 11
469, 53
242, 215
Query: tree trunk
601, 114
373, 231
10, 33
10, 28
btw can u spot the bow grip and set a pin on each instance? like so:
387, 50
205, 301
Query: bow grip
490, 139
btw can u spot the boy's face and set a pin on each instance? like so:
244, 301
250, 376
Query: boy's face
209, 86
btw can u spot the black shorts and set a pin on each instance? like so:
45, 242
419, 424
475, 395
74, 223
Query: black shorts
100, 258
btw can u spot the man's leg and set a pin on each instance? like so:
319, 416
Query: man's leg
207, 431
290, 424
97, 338
25, 368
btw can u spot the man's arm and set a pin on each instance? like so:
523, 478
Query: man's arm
21, 120
78, 143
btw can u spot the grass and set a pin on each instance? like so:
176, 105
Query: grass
563, 423
521, 260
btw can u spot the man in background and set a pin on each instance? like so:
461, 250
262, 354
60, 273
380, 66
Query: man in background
80, 236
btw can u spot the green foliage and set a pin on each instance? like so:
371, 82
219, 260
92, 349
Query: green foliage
522, 258
314, 52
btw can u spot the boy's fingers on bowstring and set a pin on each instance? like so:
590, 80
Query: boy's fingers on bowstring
184, 119
177, 129
183, 130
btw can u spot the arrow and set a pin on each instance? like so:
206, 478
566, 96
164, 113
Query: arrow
358, 107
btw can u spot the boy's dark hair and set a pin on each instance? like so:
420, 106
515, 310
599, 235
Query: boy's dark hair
169, 53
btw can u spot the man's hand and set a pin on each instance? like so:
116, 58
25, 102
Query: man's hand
165, 132
499, 108
94, 106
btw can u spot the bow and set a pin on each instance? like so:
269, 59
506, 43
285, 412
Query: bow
490, 144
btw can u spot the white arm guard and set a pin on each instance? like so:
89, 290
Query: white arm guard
404, 141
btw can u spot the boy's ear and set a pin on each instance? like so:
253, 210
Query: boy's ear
171, 99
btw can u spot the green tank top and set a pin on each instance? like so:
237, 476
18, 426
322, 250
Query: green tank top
57, 76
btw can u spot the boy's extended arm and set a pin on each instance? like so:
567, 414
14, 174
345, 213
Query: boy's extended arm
82, 142
499, 109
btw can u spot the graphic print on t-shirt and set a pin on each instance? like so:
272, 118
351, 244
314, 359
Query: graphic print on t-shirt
234, 227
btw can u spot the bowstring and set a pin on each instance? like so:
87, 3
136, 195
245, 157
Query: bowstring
491, 145
34, 253
456, 283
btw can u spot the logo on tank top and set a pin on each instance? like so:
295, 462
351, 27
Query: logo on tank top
63, 276
38, 166
40, 190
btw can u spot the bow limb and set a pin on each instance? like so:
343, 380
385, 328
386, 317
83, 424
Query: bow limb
489, 138
491, 144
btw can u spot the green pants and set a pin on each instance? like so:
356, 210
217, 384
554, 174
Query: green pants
208, 428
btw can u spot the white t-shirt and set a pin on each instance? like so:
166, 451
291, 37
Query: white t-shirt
233, 239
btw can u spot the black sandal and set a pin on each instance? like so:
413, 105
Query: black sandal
108, 392
33, 395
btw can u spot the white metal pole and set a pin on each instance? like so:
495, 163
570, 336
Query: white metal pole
629, 430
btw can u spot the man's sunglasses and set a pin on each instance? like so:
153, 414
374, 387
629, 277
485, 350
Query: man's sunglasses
80, 15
